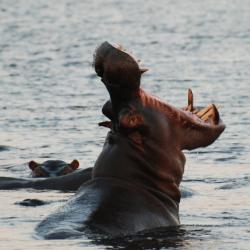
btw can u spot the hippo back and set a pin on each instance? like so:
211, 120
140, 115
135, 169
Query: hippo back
112, 206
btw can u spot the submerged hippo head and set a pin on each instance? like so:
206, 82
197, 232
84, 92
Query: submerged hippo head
52, 168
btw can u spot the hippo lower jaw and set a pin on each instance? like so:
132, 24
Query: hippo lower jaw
207, 116
201, 126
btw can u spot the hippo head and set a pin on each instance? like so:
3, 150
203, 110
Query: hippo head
52, 168
120, 72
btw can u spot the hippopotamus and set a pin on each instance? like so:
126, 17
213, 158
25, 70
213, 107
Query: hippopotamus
134, 184
52, 168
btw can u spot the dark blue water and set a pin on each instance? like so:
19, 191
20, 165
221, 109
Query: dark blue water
50, 102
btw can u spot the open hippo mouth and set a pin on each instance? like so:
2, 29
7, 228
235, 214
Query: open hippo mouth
194, 126
202, 126
207, 116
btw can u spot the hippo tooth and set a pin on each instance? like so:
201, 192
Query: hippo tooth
216, 115
190, 100
203, 111
212, 114
208, 115
195, 111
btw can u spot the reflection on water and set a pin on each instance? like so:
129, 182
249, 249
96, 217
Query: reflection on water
50, 102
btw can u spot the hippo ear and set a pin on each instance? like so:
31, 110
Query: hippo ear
32, 165
74, 164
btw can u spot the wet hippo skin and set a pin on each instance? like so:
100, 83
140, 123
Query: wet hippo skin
69, 182
55, 170
134, 184
135, 180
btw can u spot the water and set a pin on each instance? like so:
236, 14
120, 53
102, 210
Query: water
50, 103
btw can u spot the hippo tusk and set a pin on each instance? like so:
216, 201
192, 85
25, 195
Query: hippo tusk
210, 113
216, 115
203, 111
190, 100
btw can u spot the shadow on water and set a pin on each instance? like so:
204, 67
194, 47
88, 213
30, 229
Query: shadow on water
4, 148
174, 237
31, 203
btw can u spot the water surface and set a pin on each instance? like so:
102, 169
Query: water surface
50, 102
